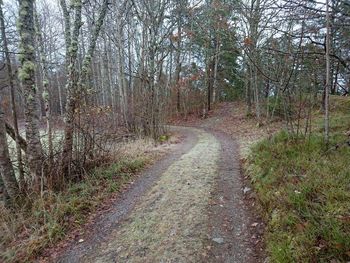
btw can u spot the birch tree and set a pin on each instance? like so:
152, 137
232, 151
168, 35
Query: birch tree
26, 76
76, 82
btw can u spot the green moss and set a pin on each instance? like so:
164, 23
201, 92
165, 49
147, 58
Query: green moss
45, 95
23, 12
23, 75
25, 4
76, 3
26, 70
30, 97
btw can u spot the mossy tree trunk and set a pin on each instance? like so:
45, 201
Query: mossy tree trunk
77, 82
13, 99
71, 59
26, 76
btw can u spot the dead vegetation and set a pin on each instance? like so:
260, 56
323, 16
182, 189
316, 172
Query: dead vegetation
42, 221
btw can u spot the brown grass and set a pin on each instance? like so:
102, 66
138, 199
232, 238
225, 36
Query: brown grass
44, 220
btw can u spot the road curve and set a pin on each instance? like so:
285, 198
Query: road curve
186, 208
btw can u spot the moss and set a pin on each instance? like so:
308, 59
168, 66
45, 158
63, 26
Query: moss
26, 70
45, 95
25, 36
19, 24
85, 69
23, 12
30, 97
23, 75
30, 49
24, 4
73, 47
75, 3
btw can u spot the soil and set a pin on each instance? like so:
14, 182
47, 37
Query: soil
194, 205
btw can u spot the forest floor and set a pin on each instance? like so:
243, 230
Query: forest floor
194, 205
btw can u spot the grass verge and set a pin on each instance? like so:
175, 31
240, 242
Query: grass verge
304, 192
45, 220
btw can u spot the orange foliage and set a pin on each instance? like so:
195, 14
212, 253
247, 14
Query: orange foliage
248, 41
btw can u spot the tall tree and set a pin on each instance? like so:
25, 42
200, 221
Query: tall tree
326, 100
11, 83
26, 76
46, 91
76, 81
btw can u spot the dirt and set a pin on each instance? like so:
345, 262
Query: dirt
231, 212
96, 231
188, 207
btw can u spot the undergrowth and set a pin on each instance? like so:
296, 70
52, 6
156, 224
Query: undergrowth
42, 221
304, 191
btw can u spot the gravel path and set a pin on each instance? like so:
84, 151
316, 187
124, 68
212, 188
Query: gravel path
186, 208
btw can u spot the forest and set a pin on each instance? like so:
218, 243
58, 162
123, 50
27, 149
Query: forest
93, 93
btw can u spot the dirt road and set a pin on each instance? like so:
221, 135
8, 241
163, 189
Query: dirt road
188, 207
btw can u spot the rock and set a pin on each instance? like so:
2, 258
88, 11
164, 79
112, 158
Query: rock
255, 224
246, 190
218, 240
81, 240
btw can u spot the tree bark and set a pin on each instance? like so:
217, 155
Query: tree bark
326, 100
27, 79
71, 84
76, 85
6, 169
13, 99
46, 91
178, 57
12, 133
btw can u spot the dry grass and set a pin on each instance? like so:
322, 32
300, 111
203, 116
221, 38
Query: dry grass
42, 221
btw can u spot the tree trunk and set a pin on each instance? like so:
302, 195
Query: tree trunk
13, 99
326, 100
6, 169
72, 83
178, 62
215, 74
46, 91
27, 77
12, 133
